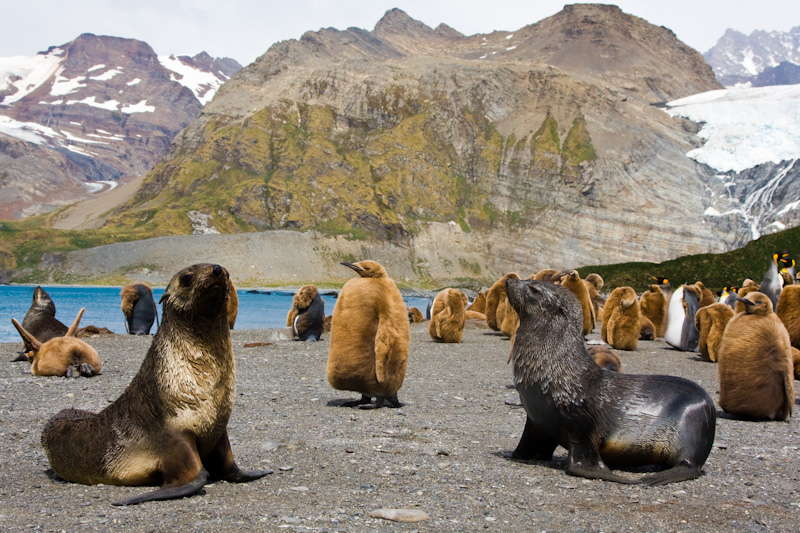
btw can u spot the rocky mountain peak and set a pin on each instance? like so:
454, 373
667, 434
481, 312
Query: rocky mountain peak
738, 58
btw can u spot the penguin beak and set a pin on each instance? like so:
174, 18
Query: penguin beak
354, 267
747, 302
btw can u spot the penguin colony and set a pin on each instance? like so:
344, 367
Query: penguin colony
752, 332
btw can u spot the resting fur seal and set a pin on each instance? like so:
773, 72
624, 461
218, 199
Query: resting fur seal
601, 418
40, 321
61, 356
169, 426
755, 369
710, 321
139, 308
307, 315
621, 319
368, 350
448, 316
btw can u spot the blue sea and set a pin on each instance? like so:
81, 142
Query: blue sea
257, 309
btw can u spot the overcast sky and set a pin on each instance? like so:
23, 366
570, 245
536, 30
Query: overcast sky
245, 29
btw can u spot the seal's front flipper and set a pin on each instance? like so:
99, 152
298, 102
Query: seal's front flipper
220, 464
170, 493
534, 445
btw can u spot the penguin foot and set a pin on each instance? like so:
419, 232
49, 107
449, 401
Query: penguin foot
364, 401
392, 401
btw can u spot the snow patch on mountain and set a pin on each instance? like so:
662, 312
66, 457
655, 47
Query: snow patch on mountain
203, 84
21, 75
744, 127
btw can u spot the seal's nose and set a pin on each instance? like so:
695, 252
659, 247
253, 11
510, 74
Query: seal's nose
217, 270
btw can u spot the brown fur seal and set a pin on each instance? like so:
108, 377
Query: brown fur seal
448, 316
755, 365
653, 305
40, 321
169, 426
572, 281
621, 319
61, 356
789, 312
710, 321
606, 358
307, 315
495, 297
139, 308
478, 304
603, 419
370, 333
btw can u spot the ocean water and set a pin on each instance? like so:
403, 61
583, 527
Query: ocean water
257, 309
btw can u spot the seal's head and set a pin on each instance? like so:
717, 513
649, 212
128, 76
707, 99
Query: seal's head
42, 300
367, 269
198, 292
544, 301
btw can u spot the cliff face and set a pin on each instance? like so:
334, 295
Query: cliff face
543, 144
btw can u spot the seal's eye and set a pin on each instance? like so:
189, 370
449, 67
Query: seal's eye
186, 280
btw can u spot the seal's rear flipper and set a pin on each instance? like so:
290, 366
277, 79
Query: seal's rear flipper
680, 472
169, 493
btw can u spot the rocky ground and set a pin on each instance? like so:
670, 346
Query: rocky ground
445, 452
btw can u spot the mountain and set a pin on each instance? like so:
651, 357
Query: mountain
738, 58
785, 73
539, 147
82, 116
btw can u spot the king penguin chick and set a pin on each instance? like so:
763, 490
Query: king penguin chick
369, 337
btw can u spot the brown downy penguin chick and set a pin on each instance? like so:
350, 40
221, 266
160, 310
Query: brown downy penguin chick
448, 316
479, 303
307, 315
789, 312
603, 419
710, 321
621, 319
606, 358
474, 315
706, 296
510, 319
233, 305
61, 356
415, 316
755, 365
748, 286
593, 284
572, 281
647, 331
40, 321
796, 362
495, 297
370, 333
139, 308
547, 274
653, 305
169, 427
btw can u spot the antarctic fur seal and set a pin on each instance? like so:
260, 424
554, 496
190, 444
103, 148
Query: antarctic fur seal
139, 308
603, 419
61, 356
169, 427
307, 315
368, 350
40, 321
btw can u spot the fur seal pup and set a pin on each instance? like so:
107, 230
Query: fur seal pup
307, 315
606, 358
788, 311
139, 308
169, 426
653, 304
368, 350
755, 368
495, 297
603, 419
448, 316
681, 332
710, 321
61, 356
40, 321
621, 319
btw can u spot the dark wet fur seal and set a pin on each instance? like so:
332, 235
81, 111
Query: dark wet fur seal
603, 419
40, 321
139, 308
169, 427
